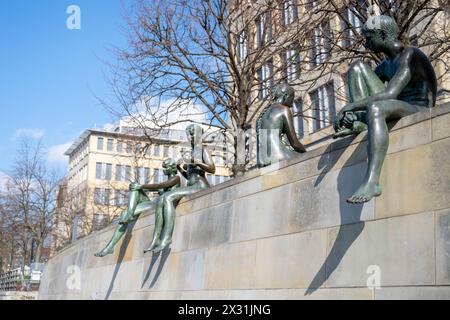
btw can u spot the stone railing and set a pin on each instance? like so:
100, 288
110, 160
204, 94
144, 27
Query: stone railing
287, 232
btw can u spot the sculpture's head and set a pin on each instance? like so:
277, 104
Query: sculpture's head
169, 167
380, 31
284, 94
194, 133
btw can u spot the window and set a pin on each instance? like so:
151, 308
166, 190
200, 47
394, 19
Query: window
102, 196
263, 29
242, 43
265, 78
147, 150
120, 173
291, 59
127, 173
110, 145
129, 148
119, 147
98, 171
158, 175
98, 197
166, 152
311, 4
323, 102
289, 12
103, 171
156, 150
142, 175
100, 142
121, 198
216, 180
298, 118
174, 152
108, 171
138, 148
320, 45
348, 29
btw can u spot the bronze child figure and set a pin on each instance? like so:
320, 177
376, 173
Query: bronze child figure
194, 170
275, 122
139, 202
410, 87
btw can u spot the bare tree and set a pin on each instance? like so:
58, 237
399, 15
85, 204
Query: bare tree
30, 200
223, 56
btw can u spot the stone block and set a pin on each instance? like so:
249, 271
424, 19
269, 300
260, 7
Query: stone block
410, 136
400, 250
262, 215
415, 180
191, 270
443, 247
290, 261
413, 293
441, 127
210, 227
231, 266
321, 202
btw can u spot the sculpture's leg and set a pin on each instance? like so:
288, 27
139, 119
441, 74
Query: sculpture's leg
118, 234
171, 199
159, 221
378, 114
362, 83
131, 213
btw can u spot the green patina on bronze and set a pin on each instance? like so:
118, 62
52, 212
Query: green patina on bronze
139, 203
194, 170
275, 123
403, 84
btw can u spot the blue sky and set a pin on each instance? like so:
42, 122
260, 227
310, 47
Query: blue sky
50, 75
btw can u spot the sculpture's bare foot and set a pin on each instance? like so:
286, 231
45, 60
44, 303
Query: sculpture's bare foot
152, 246
164, 244
365, 193
105, 252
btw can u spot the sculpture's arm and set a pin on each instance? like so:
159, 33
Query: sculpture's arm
393, 89
164, 185
289, 128
208, 164
182, 169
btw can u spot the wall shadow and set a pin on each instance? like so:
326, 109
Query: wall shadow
349, 214
123, 250
163, 255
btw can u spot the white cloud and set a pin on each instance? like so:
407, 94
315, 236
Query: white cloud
32, 133
4, 178
55, 154
178, 113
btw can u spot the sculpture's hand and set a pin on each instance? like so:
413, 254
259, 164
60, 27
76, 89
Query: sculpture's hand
344, 118
135, 187
348, 119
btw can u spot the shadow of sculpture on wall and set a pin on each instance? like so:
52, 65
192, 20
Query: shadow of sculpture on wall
349, 214
123, 250
163, 255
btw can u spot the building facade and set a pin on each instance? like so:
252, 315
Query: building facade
307, 43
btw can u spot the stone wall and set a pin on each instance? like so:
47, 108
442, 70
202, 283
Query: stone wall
287, 232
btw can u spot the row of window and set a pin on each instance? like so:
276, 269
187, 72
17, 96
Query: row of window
155, 150
123, 173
